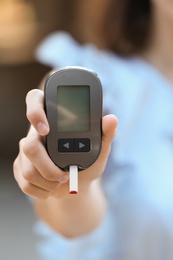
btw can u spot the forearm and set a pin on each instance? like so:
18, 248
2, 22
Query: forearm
40, 178
74, 215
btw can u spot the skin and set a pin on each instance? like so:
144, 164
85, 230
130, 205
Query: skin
38, 177
91, 16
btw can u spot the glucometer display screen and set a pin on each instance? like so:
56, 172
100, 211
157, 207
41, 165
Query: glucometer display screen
73, 108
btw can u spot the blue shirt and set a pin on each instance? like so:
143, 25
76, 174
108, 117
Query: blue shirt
138, 180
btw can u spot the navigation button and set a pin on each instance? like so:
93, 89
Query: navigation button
82, 145
66, 145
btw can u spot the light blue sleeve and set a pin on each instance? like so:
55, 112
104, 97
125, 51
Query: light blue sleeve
144, 230
60, 49
98, 245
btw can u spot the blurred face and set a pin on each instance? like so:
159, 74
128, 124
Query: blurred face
90, 17
164, 8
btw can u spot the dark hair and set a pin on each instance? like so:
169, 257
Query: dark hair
127, 25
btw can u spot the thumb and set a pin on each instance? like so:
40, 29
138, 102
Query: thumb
109, 124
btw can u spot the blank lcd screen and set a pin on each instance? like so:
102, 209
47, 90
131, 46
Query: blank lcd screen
73, 108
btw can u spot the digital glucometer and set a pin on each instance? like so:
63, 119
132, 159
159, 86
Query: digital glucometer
73, 104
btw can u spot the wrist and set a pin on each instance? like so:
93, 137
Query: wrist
74, 215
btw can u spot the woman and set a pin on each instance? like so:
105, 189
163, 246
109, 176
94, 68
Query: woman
127, 213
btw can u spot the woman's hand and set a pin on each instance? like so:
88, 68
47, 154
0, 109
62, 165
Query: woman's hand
35, 172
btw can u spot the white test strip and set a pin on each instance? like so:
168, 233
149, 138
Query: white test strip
73, 180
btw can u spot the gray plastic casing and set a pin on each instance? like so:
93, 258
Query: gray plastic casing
73, 76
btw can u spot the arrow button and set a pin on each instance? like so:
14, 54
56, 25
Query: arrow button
66, 145
82, 145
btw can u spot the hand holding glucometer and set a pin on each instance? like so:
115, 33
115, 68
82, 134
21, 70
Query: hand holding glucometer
73, 105
73, 131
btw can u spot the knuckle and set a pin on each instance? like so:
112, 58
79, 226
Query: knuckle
50, 176
21, 143
32, 113
54, 175
30, 148
26, 188
29, 175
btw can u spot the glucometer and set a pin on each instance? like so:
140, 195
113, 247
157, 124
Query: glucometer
73, 105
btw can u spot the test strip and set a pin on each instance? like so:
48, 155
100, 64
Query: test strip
73, 180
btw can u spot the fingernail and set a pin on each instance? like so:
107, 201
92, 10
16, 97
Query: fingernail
42, 128
64, 179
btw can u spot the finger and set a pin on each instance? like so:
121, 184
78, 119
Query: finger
31, 175
35, 111
109, 129
25, 186
109, 124
35, 151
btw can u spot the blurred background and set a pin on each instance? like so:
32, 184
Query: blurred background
23, 24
